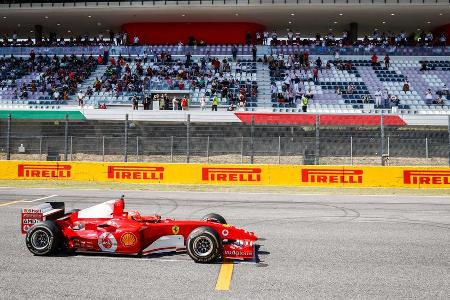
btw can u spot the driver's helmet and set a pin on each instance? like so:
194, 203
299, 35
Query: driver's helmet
134, 215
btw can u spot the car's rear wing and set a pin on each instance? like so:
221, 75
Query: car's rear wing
41, 212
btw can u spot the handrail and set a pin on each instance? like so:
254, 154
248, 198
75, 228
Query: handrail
29, 3
218, 50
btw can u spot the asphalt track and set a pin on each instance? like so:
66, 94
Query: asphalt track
312, 246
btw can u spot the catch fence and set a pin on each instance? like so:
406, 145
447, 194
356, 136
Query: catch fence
131, 141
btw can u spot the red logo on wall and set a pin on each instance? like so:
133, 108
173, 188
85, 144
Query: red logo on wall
332, 176
44, 171
136, 172
232, 174
426, 177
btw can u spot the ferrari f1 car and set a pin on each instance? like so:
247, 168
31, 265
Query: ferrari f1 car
107, 228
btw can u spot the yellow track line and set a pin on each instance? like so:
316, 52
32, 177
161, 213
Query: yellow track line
11, 202
225, 274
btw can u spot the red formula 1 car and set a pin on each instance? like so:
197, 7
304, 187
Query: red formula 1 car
106, 227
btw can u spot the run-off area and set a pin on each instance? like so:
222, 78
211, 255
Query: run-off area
312, 246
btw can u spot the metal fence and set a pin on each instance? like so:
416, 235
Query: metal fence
244, 143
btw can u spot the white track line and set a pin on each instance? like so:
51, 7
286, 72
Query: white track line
39, 199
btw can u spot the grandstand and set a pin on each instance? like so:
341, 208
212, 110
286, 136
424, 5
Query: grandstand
268, 58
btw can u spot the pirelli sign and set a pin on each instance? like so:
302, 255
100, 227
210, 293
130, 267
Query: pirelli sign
224, 174
43, 171
131, 172
426, 177
332, 176
233, 174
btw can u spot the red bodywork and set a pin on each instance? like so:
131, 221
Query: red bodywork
133, 234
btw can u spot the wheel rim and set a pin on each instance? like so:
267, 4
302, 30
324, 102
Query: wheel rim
203, 246
40, 239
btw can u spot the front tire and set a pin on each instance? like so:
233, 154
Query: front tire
43, 238
204, 245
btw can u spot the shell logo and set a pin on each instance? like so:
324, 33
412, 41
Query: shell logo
128, 239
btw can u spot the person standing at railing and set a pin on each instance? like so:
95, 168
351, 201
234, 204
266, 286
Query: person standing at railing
184, 104
215, 103
202, 103
305, 102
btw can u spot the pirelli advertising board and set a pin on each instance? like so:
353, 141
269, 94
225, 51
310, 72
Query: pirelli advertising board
270, 175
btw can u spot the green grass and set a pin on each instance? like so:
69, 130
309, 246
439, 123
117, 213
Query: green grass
219, 188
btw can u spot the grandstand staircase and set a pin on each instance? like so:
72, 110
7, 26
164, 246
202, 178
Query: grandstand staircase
99, 71
263, 77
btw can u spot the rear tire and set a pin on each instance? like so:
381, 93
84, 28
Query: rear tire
44, 238
214, 218
204, 245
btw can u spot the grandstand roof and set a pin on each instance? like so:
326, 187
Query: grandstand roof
305, 18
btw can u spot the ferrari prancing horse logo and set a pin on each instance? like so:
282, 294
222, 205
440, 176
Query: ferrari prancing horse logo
175, 229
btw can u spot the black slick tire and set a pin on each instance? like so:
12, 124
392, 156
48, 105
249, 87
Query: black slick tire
44, 238
204, 245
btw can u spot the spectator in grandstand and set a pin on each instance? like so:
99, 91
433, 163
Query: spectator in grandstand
428, 97
135, 40
215, 103
135, 102
374, 60
337, 56
146, 101
80, 97
202, 103
443, 39
387, 61
445, 90
174, 103
254, 52
319, 63
378, 96
424, 66
316, 75
394, 101
184, 103
365, 99
439, 100
405, 85
234, 52
274, 37
350, 89
305, 102
265, 37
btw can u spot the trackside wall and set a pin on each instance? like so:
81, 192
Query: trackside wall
264, 175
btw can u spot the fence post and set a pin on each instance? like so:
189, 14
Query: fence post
426, 148
317, 150
382, 138
137, 148
351, 150
8, 138
279, 149
207, 150
242, 149
388, 146
71, 147
171, 149
103, 148
252, 128
188, 135
40, 147
125, 150
66, 137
